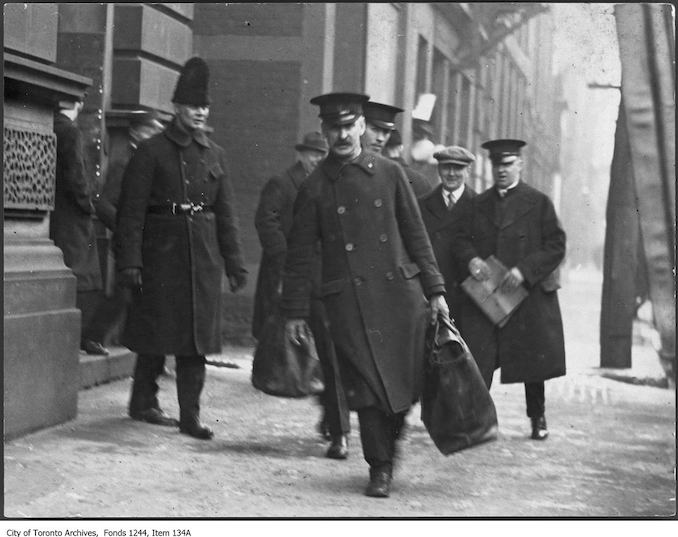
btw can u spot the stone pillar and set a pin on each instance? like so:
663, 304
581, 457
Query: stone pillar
42, 325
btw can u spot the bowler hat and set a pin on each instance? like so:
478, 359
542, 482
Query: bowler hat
505, 147
454, 154
192, 86
341, 108
381, 115
313, 140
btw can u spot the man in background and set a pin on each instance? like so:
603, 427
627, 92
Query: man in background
71, 223
443, 210
273, 221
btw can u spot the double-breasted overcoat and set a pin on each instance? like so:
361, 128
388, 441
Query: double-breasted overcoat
442, 225
182, 256
521, 230
71, 225
377, 268
273, 221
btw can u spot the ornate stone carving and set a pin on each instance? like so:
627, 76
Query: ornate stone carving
29, 169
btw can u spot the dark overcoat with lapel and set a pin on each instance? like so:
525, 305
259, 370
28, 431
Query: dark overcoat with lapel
71, 224
522, 230
442, 226
182, 257
377, 268
273, 221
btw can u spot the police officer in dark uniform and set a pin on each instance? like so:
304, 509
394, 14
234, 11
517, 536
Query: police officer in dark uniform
379, 127
517, 224
176, 235
377, 265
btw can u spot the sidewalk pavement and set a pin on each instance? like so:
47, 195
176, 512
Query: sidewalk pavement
611, 452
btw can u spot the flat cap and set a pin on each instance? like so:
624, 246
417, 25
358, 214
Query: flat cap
506, 147
381, 115
454, 154
340, 108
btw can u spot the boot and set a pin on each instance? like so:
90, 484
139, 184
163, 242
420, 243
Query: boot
338, 448
190, 381
143, 403
539, 430
380, 482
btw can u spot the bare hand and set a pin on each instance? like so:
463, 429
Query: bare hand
512, 280
479, 269
131, 277
297, 331
438, 306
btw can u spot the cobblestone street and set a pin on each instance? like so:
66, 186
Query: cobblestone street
611, 452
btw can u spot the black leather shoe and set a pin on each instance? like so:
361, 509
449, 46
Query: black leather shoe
154, 416
338, 448
380, 484
197, 430
93, 347
539, 430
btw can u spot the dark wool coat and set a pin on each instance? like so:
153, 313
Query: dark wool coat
421, 185
521, 230
71, 224
377, 267
183, 256
442, 226
273, 220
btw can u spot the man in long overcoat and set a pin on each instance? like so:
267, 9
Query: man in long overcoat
443, 210
71, 222
176, 234
377, 271
518, 225
273, 220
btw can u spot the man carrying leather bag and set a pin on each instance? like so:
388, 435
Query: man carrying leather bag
456, 406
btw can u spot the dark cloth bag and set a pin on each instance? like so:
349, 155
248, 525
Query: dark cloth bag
283, 368
456, 406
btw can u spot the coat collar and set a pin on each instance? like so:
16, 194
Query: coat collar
332, 166
514, 205
435, 204
183, 138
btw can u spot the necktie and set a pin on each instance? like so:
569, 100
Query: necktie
449, 202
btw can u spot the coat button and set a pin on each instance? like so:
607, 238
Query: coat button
358, 281
369, 165
383, 237
341, 209
389, 275
349, 247
378, 202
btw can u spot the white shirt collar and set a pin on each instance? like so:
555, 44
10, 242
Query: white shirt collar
453, 196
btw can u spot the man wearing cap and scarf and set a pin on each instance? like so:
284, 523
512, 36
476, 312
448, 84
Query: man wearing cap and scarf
518, 225
379, 127
443, 211
176, 234
273, 220
377, 266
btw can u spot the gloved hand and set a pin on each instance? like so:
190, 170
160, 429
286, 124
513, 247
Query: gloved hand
131, 277
512, 280
237, 281
479, 269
